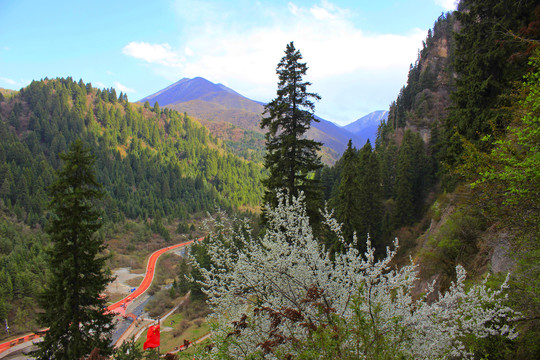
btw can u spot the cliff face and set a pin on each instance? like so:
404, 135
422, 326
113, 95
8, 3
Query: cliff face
424, 101
454, 230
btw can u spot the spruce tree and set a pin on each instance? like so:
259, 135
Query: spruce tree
358, 203
291, 158
346, 204
369, 197
72, 302
411, 172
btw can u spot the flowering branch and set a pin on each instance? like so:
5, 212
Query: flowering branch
281, 296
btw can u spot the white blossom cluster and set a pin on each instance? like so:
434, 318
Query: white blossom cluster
371, 302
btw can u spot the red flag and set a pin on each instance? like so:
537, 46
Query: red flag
152, 337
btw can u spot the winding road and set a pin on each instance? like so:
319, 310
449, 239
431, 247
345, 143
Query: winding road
119, 306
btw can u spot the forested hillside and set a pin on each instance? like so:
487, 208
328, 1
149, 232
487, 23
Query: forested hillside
457, 160
151, 161
153, 164
403, 154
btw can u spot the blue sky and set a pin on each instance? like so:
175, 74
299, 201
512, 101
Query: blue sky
358, 52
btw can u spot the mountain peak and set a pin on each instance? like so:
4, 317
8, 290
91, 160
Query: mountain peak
187, 89
366, 127
373, 118
215, 103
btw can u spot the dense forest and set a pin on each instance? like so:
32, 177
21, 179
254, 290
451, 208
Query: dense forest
420, 151
402, 159
457, 159
153, 163
143, 154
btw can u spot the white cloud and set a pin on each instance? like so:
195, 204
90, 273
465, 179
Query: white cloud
153, 53
447, 5
327, 11
8, 81
14, 84
99, 84
123, 88
293, 8
346, 65
320, 13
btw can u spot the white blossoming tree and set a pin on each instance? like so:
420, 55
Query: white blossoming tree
281, 296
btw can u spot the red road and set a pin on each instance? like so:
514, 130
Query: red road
117, 306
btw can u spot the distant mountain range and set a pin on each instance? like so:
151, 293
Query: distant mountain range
208, 101
366, 127
216, 104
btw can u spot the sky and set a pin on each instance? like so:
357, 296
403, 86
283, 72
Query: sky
358, 51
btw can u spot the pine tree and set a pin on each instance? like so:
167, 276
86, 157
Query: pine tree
71, 299
291, 158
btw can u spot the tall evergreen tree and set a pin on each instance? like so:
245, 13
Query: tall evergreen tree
388, 154
411, 170
291, 158
71, 299
369, 196
347, 204
358, 203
